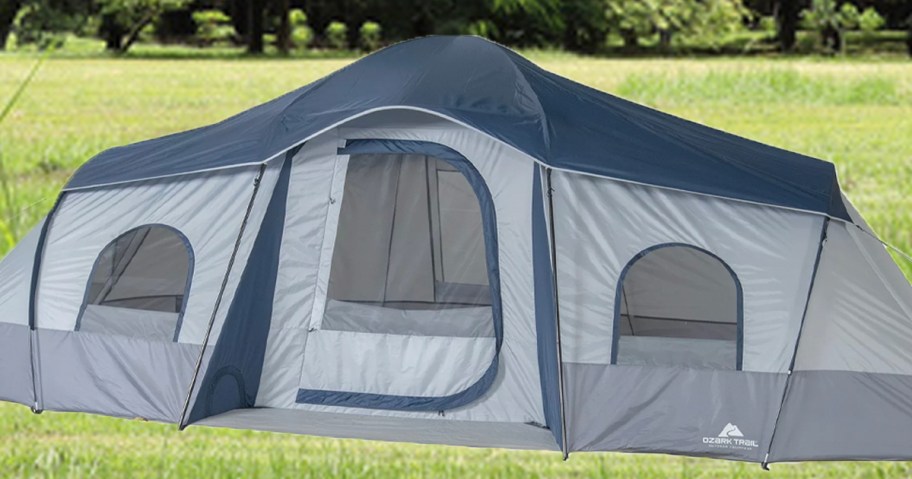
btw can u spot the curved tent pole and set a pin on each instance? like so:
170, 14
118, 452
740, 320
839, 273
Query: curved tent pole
218, 301
565, 448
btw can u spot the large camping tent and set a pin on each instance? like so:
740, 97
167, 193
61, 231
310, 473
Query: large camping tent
443, 243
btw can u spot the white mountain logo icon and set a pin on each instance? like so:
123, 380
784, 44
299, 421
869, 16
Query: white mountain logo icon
730, 430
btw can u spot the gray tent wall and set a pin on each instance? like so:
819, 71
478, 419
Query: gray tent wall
125, 376
850, 395
670, 407
15, 336
302, 353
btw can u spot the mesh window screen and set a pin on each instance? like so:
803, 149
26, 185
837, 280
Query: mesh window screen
679, 306
409, 255
138, 285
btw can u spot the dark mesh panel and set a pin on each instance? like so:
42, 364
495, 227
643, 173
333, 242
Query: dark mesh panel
410, 239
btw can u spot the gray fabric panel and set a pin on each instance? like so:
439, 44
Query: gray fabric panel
841, 415
385, 428
365, 230
114, 375
671, 410
695, 353
409, 275
136, 323
456, 322
15, 364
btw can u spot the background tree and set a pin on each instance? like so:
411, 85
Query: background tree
256, 11
709, 19
8, 10
123, 20
788, 16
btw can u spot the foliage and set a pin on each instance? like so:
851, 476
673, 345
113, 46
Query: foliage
125, 19
870, 21
709, 19
336, 34
830, 21
45, 24
301, 33
370, 35
213, 26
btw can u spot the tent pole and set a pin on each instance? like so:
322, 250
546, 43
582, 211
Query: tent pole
38, 398
807, 305
565, 448
218, 301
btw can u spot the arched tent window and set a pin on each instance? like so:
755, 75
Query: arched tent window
139, 284
678, 305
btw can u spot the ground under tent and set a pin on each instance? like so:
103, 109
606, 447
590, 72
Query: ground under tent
443, 243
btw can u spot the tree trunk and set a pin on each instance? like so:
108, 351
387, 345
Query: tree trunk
283, 38
787, 16
909, 38
630, 39
832, 39
255, 28
8, 10
135, 31
665, 40
111, 32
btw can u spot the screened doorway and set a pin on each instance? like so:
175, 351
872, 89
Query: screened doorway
411, 319
410, 251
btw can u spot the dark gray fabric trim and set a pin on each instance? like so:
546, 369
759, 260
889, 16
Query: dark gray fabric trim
489, 220
114, 375
15, 364
33, 301
190, 255
616, 333
39, 255
843, 415
546, 325
241, 347
671, 410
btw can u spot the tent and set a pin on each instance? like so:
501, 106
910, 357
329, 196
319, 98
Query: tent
444, 243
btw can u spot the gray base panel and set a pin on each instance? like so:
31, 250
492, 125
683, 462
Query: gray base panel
841, 415
704, 413
114, 375
385, 428
15, 365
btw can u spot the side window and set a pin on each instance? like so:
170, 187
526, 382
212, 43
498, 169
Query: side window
410, 251
680, 306
139, 284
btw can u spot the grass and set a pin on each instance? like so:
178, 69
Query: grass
855, 113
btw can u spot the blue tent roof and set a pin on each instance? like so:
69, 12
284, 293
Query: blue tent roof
557, 121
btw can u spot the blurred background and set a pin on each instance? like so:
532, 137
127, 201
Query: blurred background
612, 27
827, 78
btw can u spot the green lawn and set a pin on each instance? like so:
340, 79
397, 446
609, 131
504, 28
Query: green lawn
857, 114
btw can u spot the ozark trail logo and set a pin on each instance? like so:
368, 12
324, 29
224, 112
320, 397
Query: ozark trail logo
731, 437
